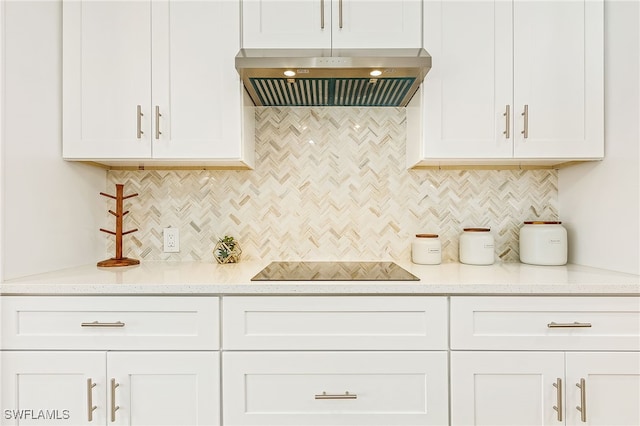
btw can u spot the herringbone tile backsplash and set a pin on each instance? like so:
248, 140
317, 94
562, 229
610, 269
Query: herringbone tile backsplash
329, 184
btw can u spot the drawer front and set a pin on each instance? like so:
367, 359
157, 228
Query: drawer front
110, 322
335, 388
558, 323
341, 323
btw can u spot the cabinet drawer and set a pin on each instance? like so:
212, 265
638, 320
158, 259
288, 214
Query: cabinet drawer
562, 323
335, 388
341, 323
107, 322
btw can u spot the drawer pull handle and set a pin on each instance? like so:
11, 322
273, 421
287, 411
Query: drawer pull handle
114, 407
558, 406
575, 324
102, 324
346, 395
139, 116
583, 400
90, 407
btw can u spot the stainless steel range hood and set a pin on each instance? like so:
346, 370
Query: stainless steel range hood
354, 77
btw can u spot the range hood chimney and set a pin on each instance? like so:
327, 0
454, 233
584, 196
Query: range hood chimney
344, 77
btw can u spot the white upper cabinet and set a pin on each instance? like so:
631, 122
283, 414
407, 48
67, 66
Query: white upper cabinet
146, 80
492, 60
106, 77
326, 24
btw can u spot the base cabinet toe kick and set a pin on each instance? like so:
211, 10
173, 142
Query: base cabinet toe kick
320, 360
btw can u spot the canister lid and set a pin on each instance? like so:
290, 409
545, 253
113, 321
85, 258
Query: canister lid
540, 222
476, 229
426, 235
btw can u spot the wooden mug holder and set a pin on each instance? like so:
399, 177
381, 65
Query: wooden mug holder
119, 214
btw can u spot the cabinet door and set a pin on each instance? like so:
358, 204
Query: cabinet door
286, 24
106, 78
611, 388
505, 388
52, 388
163, 388
469, 86
196, 89
558, 74
376, 24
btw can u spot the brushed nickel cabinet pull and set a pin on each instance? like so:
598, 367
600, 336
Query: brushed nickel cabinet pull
507, 121
525, 114
340, 13
345, 395
322, 14
139, 131
158, 115
583, 400
102, 324
114, 407
575, 324
90, 407
558, 406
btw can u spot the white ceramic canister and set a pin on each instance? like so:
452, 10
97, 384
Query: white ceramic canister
477, 246
543, 243
426, 249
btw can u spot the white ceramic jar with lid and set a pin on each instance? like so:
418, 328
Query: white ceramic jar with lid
477, 246
426, 249
543, 243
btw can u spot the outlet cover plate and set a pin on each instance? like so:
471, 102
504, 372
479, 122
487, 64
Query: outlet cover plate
171, 238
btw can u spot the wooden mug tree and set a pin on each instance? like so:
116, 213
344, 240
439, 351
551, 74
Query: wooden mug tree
119, 214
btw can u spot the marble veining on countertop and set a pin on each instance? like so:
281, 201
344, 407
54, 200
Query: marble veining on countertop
214, 279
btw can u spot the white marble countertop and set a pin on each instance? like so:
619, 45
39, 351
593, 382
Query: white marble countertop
206, 278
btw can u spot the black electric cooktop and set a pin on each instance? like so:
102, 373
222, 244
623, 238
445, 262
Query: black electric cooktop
334, 271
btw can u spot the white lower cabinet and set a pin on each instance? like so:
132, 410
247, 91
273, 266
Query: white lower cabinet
335, 388
119, 388
545, 361
545, 388
336, 360
117, 360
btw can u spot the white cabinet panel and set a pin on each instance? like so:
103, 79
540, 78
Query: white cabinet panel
527, 323
105, 322
195, 86
341, 323
154, 81
376, 24
493, 58
51, 388
107, 74
470, 83
164, 388
558, 72
611, 388
331, 24
335, 388
509, 388
286, 24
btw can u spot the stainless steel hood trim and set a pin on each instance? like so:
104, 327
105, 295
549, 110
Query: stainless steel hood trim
262, 72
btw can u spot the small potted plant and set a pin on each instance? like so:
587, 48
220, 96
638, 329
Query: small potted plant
227, 250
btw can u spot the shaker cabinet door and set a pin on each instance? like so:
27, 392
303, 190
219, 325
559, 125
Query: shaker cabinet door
196, 90
505, 388
558, 72
48, 387
609, 388
106, 79
164, 388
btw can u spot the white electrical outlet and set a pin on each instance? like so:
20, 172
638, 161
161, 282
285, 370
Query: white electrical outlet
171, 240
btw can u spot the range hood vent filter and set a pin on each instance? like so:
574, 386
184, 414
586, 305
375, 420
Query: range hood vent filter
354, 92
338, 77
